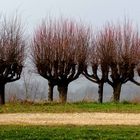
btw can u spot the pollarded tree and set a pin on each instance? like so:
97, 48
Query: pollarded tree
121, 44
74, 55
59, 52
11, 53
96, 67
44, 54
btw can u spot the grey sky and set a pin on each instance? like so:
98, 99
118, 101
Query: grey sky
95, 12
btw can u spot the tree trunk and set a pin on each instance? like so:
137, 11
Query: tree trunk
50, 92
116, 92
100, 92
2, 94
62, 89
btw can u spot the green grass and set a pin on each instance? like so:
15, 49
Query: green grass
69, 132
69, 107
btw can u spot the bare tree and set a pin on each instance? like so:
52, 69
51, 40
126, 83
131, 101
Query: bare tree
96, 67
59, 52
44, 54
121, 46
11, 53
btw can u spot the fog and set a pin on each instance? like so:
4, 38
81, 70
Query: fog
91, 12
34, 88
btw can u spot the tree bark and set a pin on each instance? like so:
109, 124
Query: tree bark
100, 92
62, 89
2, 94
116, 92
50, 92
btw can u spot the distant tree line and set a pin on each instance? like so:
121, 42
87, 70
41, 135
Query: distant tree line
64, 49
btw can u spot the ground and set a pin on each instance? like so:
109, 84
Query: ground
70, 118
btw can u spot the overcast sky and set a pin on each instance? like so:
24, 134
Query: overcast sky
95, 12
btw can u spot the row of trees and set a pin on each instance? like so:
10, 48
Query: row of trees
63, 49
114, 56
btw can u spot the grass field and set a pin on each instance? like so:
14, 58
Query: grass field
70, 107
69, 132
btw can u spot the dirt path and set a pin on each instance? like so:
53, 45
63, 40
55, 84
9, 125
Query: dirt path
71, 118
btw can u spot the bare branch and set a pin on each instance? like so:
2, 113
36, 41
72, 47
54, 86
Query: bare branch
59, 49
135, 82
11, 49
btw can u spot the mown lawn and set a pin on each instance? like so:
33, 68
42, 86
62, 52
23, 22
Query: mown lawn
69, 132
70, 107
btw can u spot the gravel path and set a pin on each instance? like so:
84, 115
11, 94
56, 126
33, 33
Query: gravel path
71, 118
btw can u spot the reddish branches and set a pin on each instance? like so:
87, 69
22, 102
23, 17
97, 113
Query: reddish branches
11, 53
59, 52
121, 45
